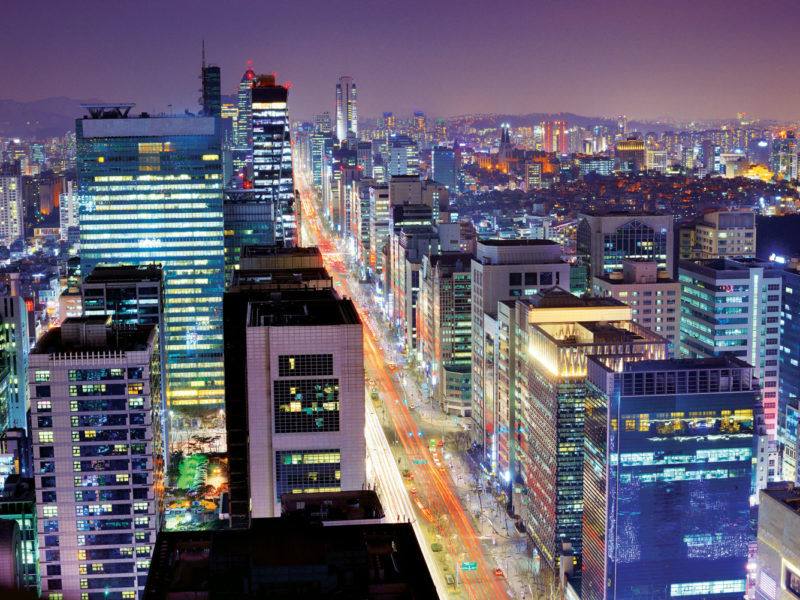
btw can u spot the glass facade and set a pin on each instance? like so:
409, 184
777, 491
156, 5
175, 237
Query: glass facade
248, 221
670, 449
272, 156
789, 373
151, 192
304, 471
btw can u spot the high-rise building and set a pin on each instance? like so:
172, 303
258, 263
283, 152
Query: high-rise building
403, 156
129, 294
322, 123
364, 159
264, 270
554, 137
630, 155
144, 183
671, 448
444, 328
249, 220
502, 270
68, 211
346, 108
10, 205
273, 179
777, 569
789, 374
733, 307
378, 228
652, 294
443, 161
719, 234
306, 403
556, 334
15, 343
212, 89
603, 239
783, 158
18, 503
243, 132
98, 456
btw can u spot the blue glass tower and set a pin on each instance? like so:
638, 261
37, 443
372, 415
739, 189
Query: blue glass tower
150, 191
789, 374
670, 449
444, 167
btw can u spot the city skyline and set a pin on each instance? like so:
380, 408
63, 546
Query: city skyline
698, 62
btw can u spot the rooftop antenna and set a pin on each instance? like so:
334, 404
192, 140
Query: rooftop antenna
204, 54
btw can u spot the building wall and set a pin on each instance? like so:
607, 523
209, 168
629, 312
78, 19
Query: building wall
125, 166
268, 448
778, 549
97, 444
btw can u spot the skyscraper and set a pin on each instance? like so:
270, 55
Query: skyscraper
557, 333
346, 108
151, 192
443, 160
243, 132
10, 205
212, 99
733, 307
95, 413
670, 452
273, 179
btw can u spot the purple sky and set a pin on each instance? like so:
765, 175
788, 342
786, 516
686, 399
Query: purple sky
646, 58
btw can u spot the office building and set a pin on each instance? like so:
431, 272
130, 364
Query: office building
630, 155
777, 572
783, 159
443, 161
98, 456
603, 239
212, 90
10, 205
249, 219
444, 329
557, 333
403, 156
15, 341
305, 397
719, 234
668, 475
652, 294
596, 165
125, 168
327, 401
18, 504
378, 229
554, 137
346, 108
365, 159
129, 294
273, 179
502, 270
789, 373
68, 212
733, 307
243, 130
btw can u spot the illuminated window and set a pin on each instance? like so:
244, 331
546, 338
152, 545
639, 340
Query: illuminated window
50, 510
45, 437
41, 376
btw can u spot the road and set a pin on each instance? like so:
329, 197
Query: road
436, 510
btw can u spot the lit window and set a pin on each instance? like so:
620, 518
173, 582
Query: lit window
45, 437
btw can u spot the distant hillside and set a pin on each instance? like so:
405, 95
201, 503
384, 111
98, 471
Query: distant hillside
40, 118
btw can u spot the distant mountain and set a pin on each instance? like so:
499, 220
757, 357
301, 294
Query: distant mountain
40, 118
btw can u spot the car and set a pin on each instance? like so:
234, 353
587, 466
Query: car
412, 490
440, 443
499, 572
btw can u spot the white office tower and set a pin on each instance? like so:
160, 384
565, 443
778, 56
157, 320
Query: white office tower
10, 206
346, 108
98, 457
305, 397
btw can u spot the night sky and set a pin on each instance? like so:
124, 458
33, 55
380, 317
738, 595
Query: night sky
649, 59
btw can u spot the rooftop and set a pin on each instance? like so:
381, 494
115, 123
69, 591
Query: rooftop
124, 273
557, 297
302, 308
519, 242
789, 496
93, 334
680, 364
283, 559
332, 506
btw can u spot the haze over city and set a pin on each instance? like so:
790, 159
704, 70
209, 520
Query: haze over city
650, 60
